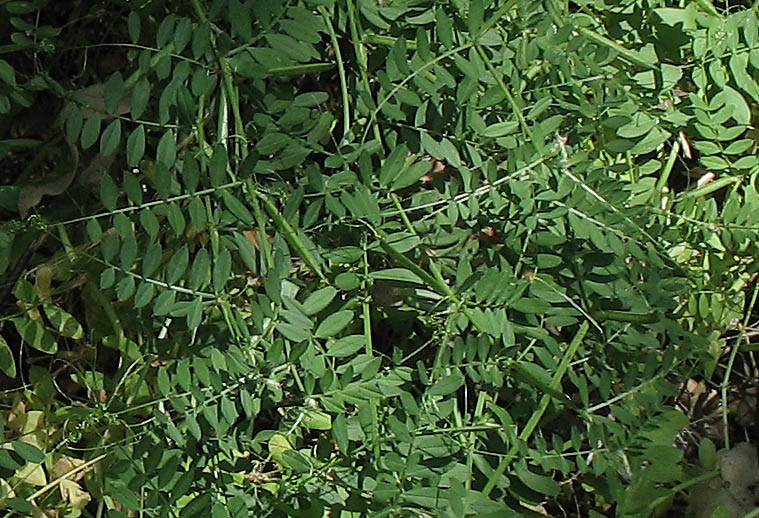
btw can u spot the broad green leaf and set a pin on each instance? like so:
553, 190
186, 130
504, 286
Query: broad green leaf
91, 130
140, 98
447, 385
393, 165
164, 303
107, 278
707, 453
28, 452
35, 335
319, 300
540, 483
149, 222
166, 152
177, 219
200, 271
177, 265
133, 26
135, 146
109, 192
163, 381
113, 93
400, 275
344, 254
237, 208
182, 34
296, 460
333, 324
278, 445
152, 259
531, 305
195, 313
310, 99
292, 332
346, 346
247, 251
221, 270
7, 73
7, 363
74, 122
317, 420
218, 166
128, 252
444, 26
133, 189
411, 175
63, 322
475, 17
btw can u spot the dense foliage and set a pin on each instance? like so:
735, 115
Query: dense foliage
369, 258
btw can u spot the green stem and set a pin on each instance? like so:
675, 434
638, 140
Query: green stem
340, 70
542, 406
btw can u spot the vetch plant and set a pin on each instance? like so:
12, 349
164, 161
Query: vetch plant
317, 258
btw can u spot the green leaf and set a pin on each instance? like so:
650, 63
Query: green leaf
167, 149
393, 164
475, 18
182, 34
500, 129
34, 334
128, 252
540, 483
149, 222
730, 97
319, 300
237, 208
400, 275
144, 295
707, 453
447, 385
333, 324
7, 73
221, 270
164, 303
124, 496
135, 146
133, 189
176, 219
346, 346
297, 461
247, 251
152, 259
177, 265
292, 332
278, 445
411, 175
91, 130
107, 278
310, 99
218, 166
239, 16
317, 420
109, 192
28, 452
74, 122
63, 322
7, 364
113, 94
200, 272
133, 26
444, 26
140, 97
195, 313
